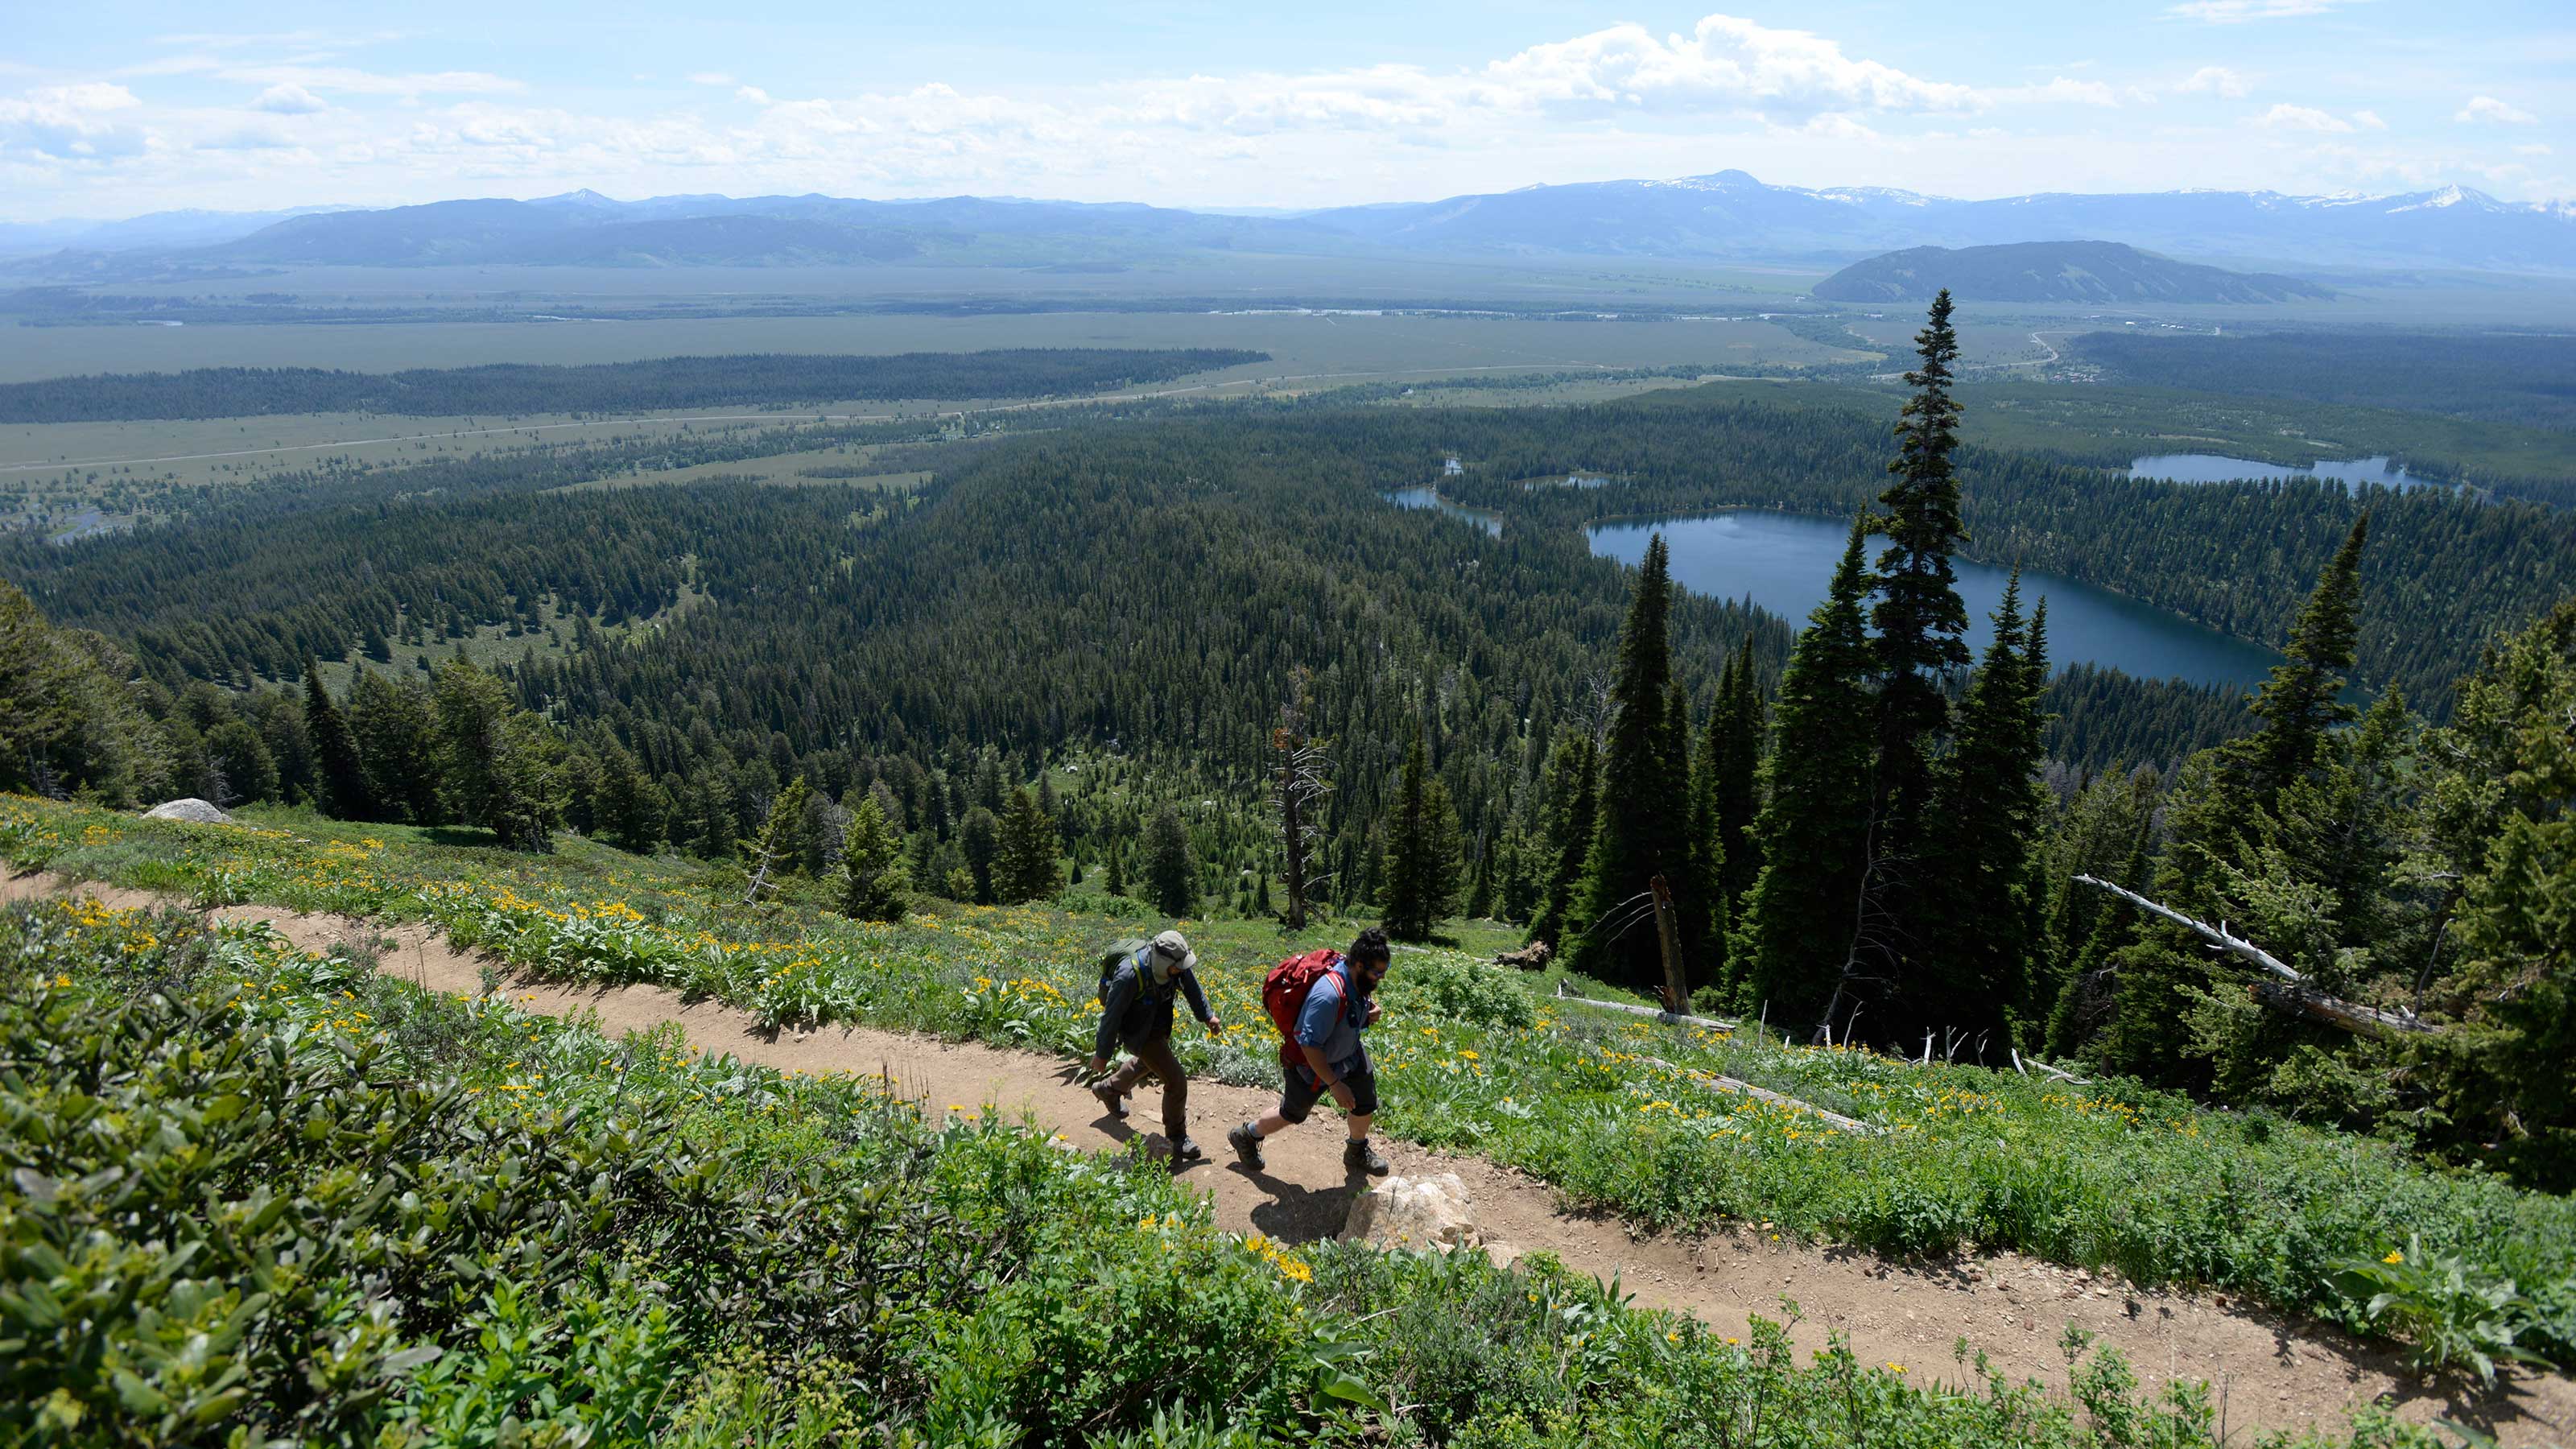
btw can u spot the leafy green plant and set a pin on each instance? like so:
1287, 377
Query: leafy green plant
2454, 1318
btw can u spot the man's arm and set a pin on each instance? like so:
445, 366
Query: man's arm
1120, 995
1198, 999
1323, 1071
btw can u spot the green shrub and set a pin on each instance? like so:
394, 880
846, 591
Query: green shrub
2454, 1318
1464, 988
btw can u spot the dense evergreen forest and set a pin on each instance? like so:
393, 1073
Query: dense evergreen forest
1069, 664
2504, 377
517, 389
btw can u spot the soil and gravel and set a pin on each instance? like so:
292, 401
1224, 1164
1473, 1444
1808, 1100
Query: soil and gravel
2265, 1370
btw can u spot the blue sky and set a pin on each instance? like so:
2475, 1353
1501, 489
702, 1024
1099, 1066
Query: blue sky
116, 108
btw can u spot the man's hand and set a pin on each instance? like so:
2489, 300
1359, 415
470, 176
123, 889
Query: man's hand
1099, 1065
1215, 1027
1342, 1093
1374, 1008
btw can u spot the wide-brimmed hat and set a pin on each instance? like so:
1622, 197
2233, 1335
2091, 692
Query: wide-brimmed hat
1174, 948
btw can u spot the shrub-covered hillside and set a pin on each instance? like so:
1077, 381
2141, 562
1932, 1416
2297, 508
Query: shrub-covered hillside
1621, 1114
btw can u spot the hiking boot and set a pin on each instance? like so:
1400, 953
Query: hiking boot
1360, 1157
1247, 1145
1112, 1100
1185, 1152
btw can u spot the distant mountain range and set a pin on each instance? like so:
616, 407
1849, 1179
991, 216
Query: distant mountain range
2068, 271
1725, 217
1731, 216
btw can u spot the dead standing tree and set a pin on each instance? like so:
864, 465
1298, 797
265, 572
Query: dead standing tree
1303, 779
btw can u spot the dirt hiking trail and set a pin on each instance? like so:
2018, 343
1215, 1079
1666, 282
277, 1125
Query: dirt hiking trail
2265, 1370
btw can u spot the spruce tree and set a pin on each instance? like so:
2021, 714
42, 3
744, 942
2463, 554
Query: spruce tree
390, 720
345, 795
775, 851
1737, 798
1573, 775
1803, 915
631, 807
498, 765
1422, 856
1708, 843
1981, 905
1028, 869
1643, 810
2302, 701
1171, 876
2222, 812
1919, 618
979, 836
874, 882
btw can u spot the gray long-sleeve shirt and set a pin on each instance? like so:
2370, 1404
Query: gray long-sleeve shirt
1133, 1006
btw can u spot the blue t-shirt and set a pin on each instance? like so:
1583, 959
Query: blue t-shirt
1331, 1024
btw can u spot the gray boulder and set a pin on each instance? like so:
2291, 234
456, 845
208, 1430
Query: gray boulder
191, 809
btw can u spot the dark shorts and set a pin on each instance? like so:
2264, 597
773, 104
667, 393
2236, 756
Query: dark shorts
1302, 1092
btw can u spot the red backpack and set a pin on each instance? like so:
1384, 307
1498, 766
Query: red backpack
1284, 990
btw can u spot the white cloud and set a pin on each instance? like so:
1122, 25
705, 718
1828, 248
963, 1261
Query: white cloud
711, 78
2533, 148
2286, 117
2369, 121
2058, 91
71, 123
249, 138
2236, 12
2217, 80
2488, 108
351, 81
1725, 62
289, 100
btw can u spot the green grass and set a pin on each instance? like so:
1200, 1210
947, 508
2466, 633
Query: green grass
259, 1194
1616, 1112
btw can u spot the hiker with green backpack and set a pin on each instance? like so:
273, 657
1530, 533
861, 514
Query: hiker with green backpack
1321, 1003
1139, 981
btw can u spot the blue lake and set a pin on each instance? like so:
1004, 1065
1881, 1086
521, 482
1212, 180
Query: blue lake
1430, 498
1783, 561
2212, 468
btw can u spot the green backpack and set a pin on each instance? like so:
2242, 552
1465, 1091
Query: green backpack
1118, 953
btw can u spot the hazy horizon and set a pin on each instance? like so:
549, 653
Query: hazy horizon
135, 108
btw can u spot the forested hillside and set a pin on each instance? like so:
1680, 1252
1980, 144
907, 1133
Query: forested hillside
1064, 664
517, 389
2509, 377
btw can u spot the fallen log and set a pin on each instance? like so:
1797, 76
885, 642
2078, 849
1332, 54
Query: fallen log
1725, 1083
2291, 995
1669, 1018
2064, 1076
2317, 1006
2218, 934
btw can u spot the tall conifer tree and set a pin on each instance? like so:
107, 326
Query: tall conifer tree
1982, 904
1422, 855
2221, 811
1737, 723
345, 793
1919, 617
1573, 788
1643, 814
1801, 916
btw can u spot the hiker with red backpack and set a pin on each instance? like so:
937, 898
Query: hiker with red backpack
1320, 1003
1138, 981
